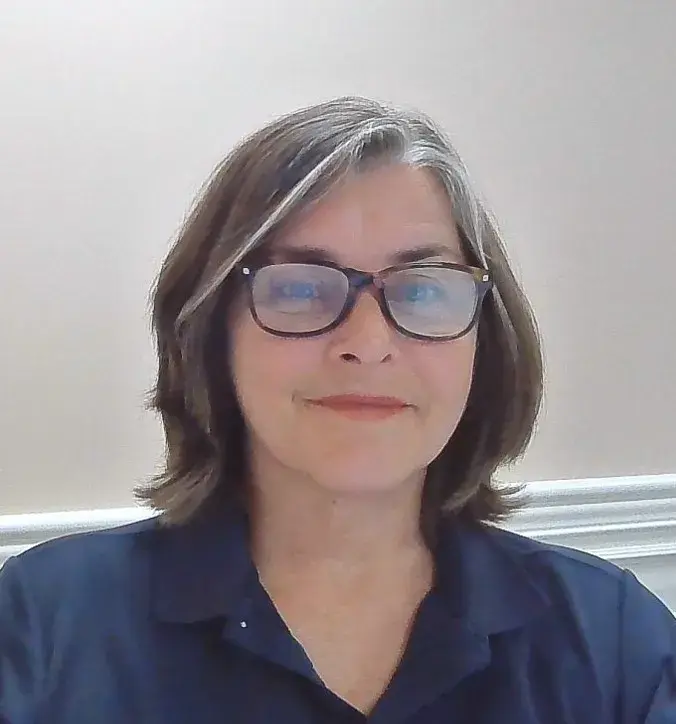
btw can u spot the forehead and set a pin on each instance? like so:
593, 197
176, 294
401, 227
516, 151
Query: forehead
373, 216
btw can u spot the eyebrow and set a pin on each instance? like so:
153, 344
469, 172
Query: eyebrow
406, 256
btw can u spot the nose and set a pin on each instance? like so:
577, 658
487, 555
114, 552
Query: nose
364, 337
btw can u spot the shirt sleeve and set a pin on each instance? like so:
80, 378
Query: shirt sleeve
648, 657
19, 648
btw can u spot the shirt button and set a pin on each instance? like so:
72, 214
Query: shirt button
242, 624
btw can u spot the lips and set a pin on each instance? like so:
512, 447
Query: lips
360, 401
362, 406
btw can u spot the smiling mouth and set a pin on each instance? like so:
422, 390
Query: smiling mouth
362, 407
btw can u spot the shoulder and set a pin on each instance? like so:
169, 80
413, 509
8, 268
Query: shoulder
575, 579
554, 566
81, 567
84, 549
65, 601
602, 611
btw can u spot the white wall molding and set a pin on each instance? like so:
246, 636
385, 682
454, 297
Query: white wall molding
23, 530
615, 518
630, 521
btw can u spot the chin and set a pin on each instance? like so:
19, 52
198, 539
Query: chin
364, 476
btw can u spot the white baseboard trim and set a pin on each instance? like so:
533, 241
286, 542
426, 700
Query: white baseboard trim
630, 521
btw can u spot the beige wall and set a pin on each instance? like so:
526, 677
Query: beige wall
113, 112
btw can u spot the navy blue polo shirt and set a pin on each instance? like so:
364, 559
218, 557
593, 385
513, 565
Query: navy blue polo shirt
163, 625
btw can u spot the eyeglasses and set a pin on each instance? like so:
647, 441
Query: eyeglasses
424, 300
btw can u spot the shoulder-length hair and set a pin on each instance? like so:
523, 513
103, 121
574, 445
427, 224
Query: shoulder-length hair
263, 182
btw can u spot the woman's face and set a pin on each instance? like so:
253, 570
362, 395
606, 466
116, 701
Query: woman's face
367, 223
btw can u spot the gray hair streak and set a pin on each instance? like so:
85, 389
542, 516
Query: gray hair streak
382, 134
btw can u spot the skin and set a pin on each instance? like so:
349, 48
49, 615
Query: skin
336, 499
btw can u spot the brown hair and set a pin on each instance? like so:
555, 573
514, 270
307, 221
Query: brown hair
265, 179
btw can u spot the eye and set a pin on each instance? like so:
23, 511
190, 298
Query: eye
421, 291
296, 290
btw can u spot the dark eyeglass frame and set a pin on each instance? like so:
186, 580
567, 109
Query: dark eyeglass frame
359, 281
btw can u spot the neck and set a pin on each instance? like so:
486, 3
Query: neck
298, 525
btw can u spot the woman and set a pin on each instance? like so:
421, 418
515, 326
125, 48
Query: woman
345, 358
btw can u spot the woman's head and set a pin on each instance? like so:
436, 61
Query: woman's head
264, 327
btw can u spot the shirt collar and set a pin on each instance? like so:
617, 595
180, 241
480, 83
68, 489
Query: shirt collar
202, 570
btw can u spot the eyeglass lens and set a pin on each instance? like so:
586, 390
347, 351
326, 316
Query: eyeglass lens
309, 298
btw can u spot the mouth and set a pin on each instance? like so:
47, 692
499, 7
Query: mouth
362, 407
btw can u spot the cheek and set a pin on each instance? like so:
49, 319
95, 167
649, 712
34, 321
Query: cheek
446, 370
265, 368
